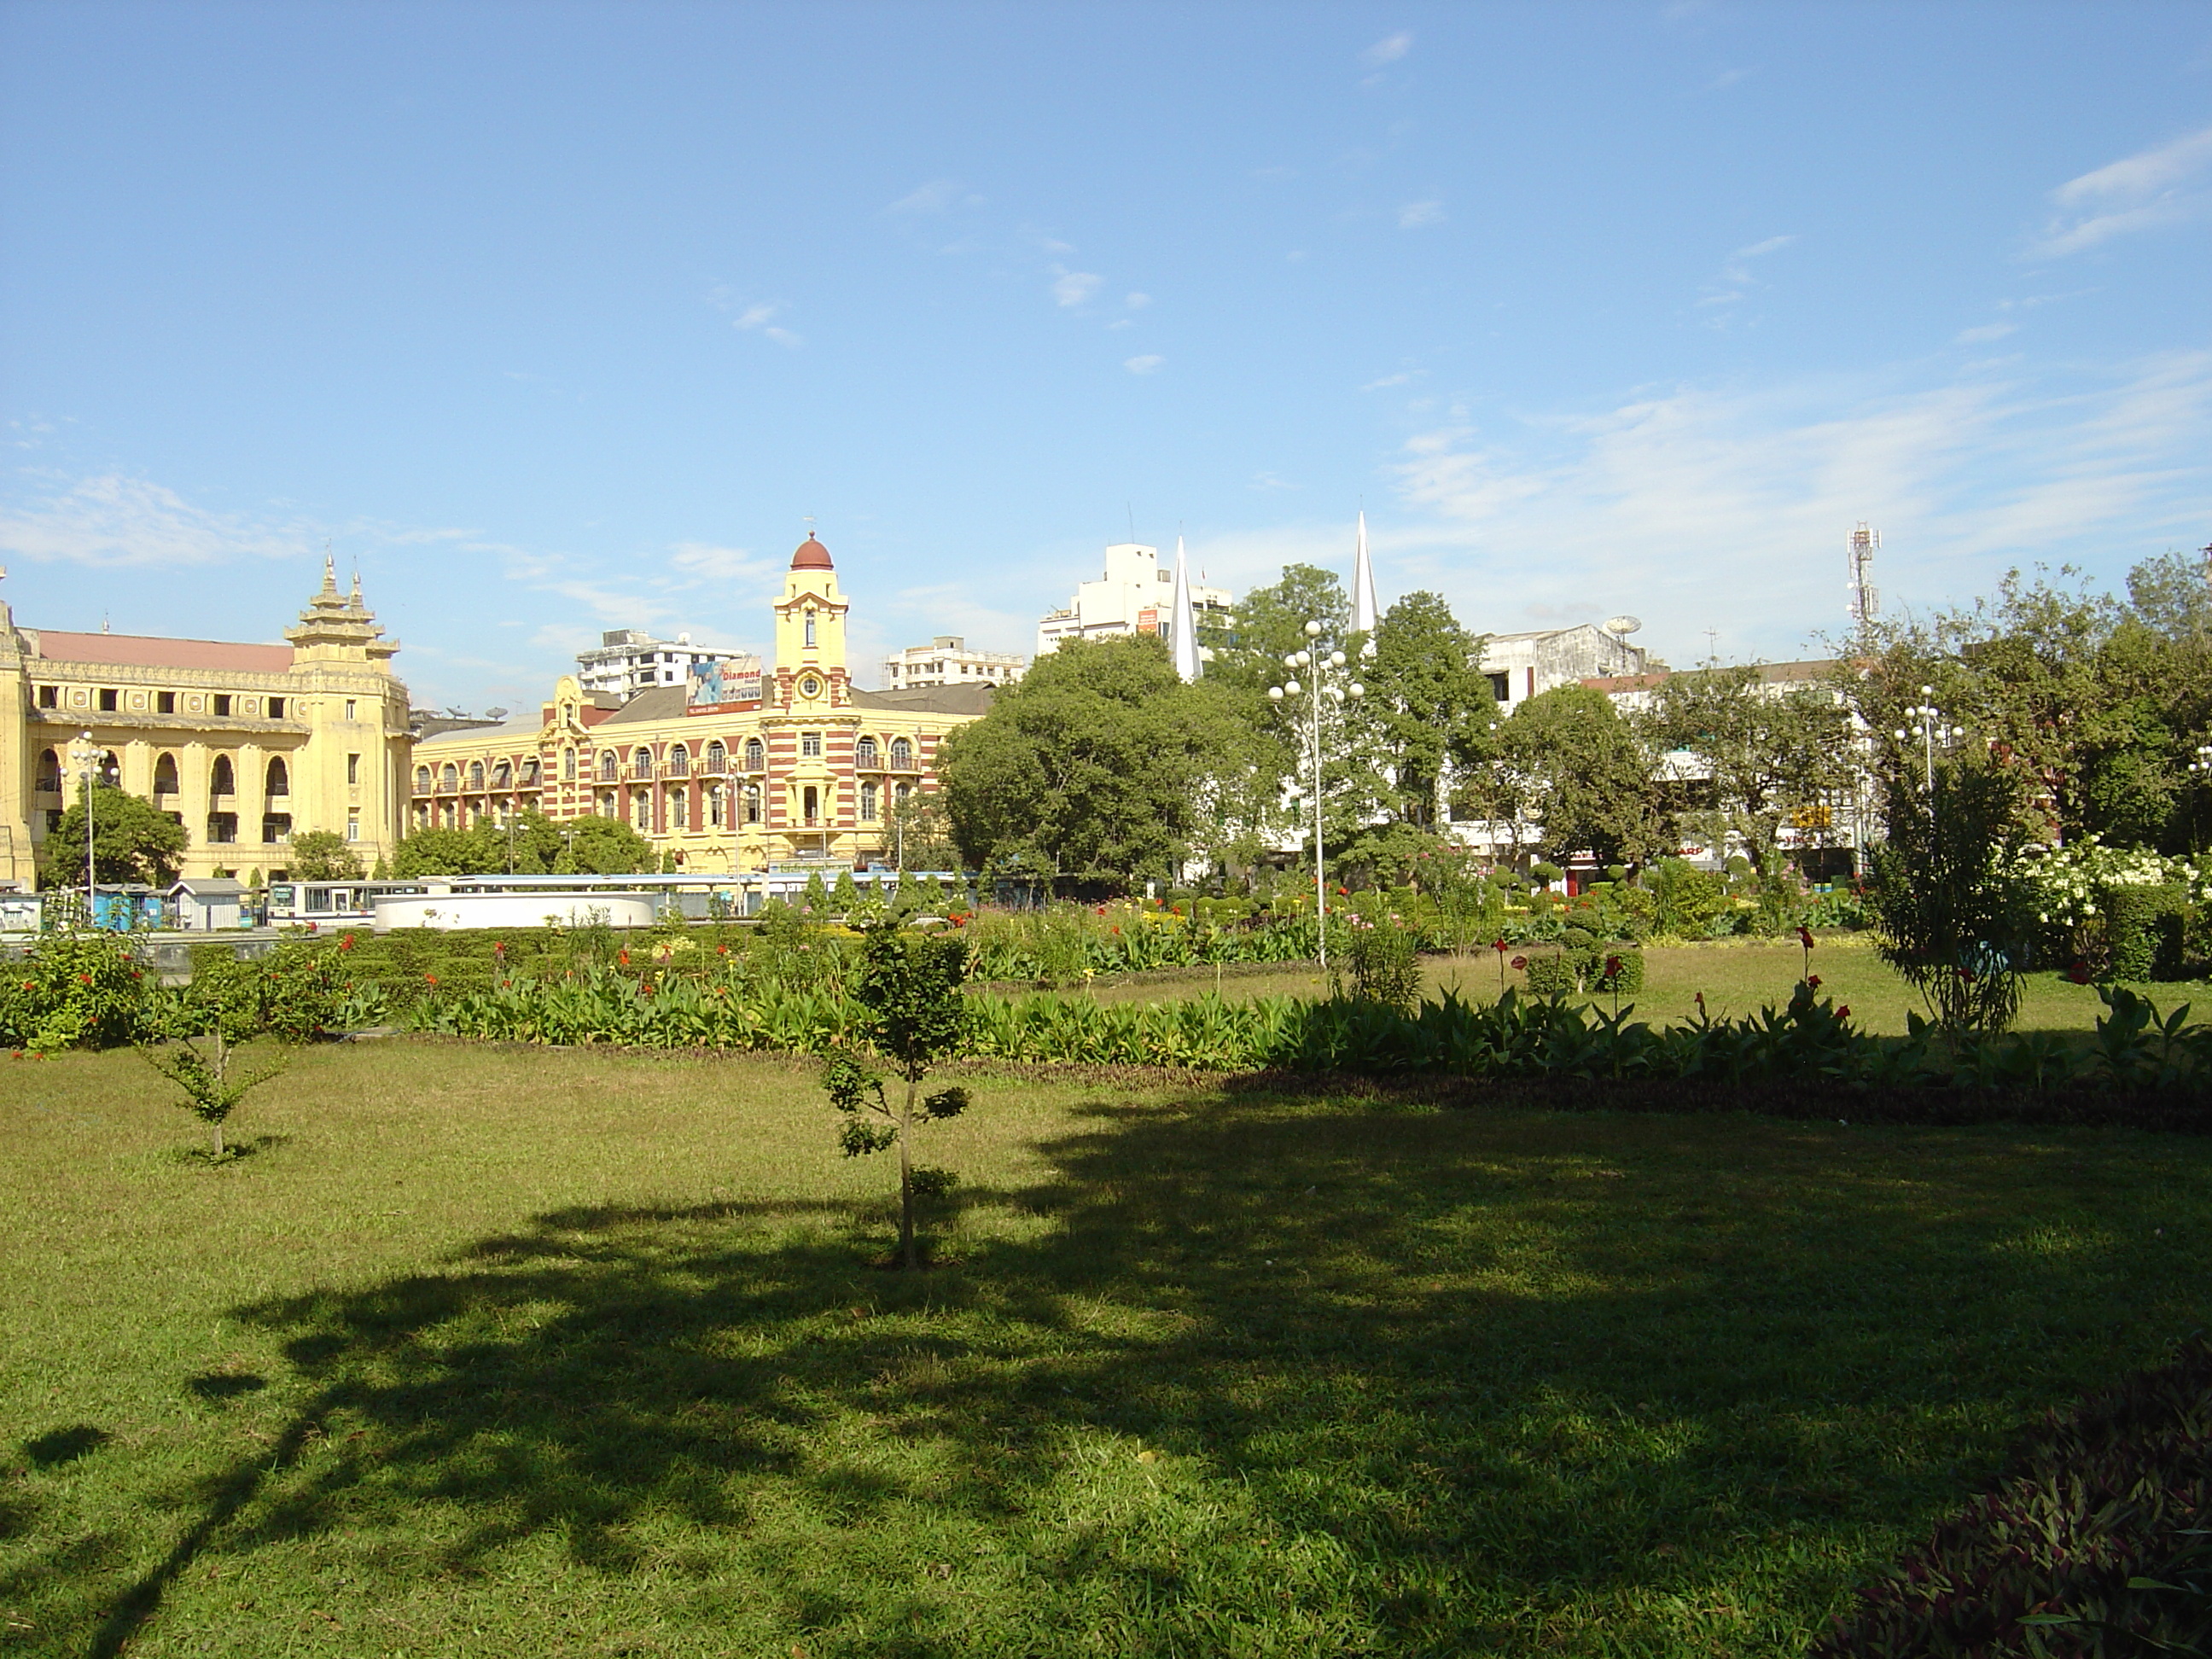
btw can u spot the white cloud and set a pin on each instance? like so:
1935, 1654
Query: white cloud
1145, 365
1698, 506
708, 562
1984, 334
753, 316
1736, 278
784, 338
1414, 214
1138, 301
934, 197
1073, 287
2163, 185
113, 521
1389, 50
1402, 378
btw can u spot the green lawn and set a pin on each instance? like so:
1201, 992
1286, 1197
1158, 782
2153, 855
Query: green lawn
1736, 978
500, 1352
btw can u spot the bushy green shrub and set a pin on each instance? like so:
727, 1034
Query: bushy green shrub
1554, 974
1385, 966
1686, 899
1618, 972
2143, 931
85, 988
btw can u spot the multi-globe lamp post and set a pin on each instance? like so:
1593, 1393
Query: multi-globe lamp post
2200, 773
1925, 720
84, 756
1321, 698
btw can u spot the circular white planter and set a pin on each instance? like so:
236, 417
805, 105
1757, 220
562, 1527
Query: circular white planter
458, 910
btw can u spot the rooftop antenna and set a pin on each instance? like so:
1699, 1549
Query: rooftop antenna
1865, 598
1130, 509
1712, 645
810, 526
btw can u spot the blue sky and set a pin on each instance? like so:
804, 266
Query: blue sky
559, 318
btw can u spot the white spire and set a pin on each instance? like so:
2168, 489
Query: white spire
1363, 591
1185, 638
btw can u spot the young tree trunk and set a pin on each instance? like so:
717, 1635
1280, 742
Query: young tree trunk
906, 1177
221, 1072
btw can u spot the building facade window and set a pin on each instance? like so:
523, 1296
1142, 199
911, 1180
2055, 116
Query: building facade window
902, 755
349, 714
679, 809
276, 828
810, 746
752, 803
353, 768
50, 771
679, 761
223, 829
449, 778
278, 778
276, 708
810, 631
610, 765
810, 802
865, 752
756, 755
867, 803
165, 702
353, 824
476, 774
569, 764
642, 763
222, 703
223, 780
165, 776
106, 701
718, 758
50, 696
643, 804
422, 780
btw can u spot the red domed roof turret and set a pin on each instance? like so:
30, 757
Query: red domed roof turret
812, 555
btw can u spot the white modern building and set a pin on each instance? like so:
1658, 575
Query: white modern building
946, 660
629, 660
1136, 595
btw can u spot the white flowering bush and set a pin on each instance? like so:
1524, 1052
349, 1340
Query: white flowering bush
2094, 903
2069, 883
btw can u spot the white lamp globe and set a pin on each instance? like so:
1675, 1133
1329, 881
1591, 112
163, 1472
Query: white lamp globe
1357, 691
1291, 686
1336, 660
1275, 694
1313, 630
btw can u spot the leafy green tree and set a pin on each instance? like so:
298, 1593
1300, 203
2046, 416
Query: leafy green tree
1771, 756
444, 853
908, 984
132, 840
919, 834
323, 855
1091, 766
224, 1007
1951, 916
1567, 759
1427, 705
595, 846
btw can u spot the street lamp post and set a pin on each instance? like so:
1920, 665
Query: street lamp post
1320, 697
2200, 770
1925, 721
84, 755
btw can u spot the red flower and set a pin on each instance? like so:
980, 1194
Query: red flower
1701, 999
1102, 909
1843, 1012
1118, 930
1613, 967
1520, 962
346, 943
84, 979
1968, 975
1813, 981
2077, 972
430, 979
1344, 893
722, 950
622, 957
1805, 937
1498, 945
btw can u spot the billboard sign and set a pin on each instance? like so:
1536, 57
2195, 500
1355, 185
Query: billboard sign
724, 683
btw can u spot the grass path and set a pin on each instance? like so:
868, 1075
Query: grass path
488, 1351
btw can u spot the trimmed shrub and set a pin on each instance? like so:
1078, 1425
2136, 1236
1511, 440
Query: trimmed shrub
2094, 1543
1553, 975
2143, 931
1619, 970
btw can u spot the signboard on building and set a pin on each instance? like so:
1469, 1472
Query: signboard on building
721, 684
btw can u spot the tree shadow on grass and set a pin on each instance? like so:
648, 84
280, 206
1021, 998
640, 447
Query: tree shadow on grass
1250, 1374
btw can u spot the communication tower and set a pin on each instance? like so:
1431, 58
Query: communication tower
1866, 598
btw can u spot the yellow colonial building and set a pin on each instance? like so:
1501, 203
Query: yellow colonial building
739, 769
246, 745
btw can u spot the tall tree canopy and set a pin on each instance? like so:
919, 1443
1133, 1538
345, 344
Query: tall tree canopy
533, 844
1566, 759
1094, 765
132, 840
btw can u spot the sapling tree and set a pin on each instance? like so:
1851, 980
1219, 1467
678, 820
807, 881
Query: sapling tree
909, 987
223, 1008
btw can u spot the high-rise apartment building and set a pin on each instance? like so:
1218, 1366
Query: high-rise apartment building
946, 660
629, 660
1135, 595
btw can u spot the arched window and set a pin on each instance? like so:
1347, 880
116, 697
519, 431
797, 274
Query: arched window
718, 758
449, 778
679, 761
610, 764
569, 764
867, 803
752, 803
223, 780
679, 809
810, 631
644, 813
279, 777
756, 755
864, 752
530, 773
422, 780
50, 771
111, 770
811, 807
165, 776
710, 808
902, 755
902, 792
476, 774
503, 775
642, 763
